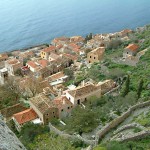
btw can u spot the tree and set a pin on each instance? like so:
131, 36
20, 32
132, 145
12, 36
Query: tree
140, 88
18, 72
82, 120
88, 37
126, 89
69, 72
29, 131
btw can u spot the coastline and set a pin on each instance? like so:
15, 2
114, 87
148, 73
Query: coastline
39, 46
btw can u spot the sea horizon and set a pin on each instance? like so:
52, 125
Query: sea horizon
24, 25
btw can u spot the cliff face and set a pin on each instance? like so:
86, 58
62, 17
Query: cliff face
8, 140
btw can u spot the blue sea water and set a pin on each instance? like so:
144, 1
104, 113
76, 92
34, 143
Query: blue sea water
26, 23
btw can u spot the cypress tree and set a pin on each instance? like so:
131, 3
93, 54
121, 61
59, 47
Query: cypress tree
140, 88
127, 87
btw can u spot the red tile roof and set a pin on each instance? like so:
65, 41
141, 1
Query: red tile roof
49, 49
74, 46
43, 63
32, 64
132, 47
70, 56
13, 61
25, 116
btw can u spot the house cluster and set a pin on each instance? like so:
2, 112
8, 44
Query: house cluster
103, 40
42, 75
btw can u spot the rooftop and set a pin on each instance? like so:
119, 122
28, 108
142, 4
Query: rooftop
9, 111
49, 49
25, 116
60, 101
42, 102
132, 47
13, 61
83, 90
97, 51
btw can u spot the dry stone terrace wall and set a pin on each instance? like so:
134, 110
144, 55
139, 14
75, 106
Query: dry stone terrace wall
68, 136
118, 120
8, 140
135, 136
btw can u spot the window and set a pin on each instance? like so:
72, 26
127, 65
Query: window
78, 101
62, 110
69, 98
68, 107
53, 112
94, 57
90, 56
47, 114
54, 116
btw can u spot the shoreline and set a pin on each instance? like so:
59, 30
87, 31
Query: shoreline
46, 44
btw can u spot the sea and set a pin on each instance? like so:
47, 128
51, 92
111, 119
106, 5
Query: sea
25, 23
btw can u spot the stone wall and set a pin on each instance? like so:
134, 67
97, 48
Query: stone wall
68, 136
136, 136
118, 120
8, 140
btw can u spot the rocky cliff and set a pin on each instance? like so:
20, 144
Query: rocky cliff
8, 140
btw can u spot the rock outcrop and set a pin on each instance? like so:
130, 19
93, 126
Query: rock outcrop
8, 140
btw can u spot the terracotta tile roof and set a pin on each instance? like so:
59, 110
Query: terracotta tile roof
98, 51
13, 61
25, 116
49, 49
43, 63
60, 39
26, 54
56, 76
73, 45
73, 57
61, 101
32, 64
83, 90
42, 102
9, 111
59, 46
132, 47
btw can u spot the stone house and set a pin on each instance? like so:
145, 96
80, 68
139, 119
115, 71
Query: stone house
13, 65
95, 55
8, 112
85, 91
130, 50
64, 106
43, 105
47, 51
24, 117
34, 66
